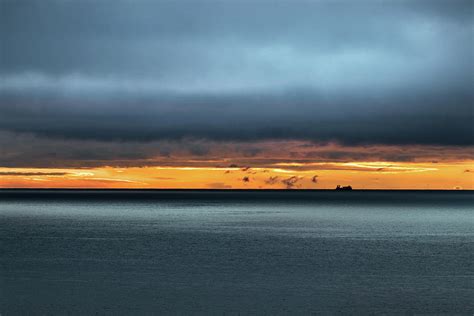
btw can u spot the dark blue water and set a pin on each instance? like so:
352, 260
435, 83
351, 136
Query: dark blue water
194, 252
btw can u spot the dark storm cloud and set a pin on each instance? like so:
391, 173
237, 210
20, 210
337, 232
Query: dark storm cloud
375, 72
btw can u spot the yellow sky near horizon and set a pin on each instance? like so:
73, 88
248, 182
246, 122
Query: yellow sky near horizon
360, 175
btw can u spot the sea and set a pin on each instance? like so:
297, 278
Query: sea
191, 252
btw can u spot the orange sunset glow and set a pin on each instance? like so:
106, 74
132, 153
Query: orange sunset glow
361, 175
233, 165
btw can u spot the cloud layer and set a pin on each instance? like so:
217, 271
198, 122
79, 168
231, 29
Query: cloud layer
366, 72
18, 150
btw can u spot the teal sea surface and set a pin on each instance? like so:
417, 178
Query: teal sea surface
222, 252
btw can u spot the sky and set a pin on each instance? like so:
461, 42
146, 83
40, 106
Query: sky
376, 94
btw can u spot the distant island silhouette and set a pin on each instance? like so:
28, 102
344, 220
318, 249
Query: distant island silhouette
346, 188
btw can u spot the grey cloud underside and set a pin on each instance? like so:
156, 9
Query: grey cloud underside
21, 150
357, 73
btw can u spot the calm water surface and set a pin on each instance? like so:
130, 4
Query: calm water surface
248, 253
